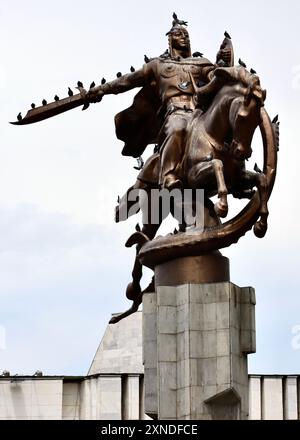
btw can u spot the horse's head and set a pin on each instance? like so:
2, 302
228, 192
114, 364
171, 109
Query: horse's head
245, 97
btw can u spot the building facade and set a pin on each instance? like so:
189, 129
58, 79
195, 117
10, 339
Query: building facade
113, 389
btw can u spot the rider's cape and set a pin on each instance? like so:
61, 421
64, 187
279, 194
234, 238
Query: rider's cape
139, 125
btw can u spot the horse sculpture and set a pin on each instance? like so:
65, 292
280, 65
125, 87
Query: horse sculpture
217, 146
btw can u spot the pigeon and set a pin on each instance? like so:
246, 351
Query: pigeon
241, 63
180, 22
226, 34
70, 92
253, 71
132, 69
103, 81
197, 54
56, 98
275, 120
140, 164
119, 74
166, 54
138, 228
44, 102
146, 59
257, 169
33, 105
19, 117
79, 84
92, 85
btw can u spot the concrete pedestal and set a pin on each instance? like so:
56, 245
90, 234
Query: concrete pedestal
196, 338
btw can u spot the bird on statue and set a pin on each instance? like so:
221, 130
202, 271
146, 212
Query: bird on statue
132, 69
79, 84
92, 85
56, 98
33, 105
257, 169
226, 34
140, 164
241, 63
103, 81
70, 92
137, 227
44, 102
180, 22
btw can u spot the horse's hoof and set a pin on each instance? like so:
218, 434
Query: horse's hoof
221, 209
260, 229
132, 291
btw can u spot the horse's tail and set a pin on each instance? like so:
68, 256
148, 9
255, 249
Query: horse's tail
122, 210
138, 238
147, 179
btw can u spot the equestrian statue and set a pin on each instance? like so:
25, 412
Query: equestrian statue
200, 117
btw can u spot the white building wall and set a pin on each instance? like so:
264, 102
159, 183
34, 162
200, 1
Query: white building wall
116, 397
30, 399
255, 398
71, 401
272, 398
114, 388
291, 398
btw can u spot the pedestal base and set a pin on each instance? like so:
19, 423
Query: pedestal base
196, 338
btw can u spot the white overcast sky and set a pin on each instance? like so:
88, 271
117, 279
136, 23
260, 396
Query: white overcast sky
63, 265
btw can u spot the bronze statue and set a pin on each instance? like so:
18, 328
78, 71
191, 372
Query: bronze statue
201, 116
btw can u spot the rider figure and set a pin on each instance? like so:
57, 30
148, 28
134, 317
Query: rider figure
171, 78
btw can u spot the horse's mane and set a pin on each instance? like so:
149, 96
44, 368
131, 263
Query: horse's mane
241, 75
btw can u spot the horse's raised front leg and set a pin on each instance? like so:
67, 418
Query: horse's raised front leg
221, 207
207, 171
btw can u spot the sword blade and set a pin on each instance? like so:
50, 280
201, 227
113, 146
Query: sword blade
52, 109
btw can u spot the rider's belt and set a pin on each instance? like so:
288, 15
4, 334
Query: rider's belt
183, 101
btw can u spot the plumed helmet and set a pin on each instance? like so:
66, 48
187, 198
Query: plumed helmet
177, 25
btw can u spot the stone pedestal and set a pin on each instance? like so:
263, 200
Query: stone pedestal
196, 337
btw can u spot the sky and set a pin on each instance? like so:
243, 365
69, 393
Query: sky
63, 264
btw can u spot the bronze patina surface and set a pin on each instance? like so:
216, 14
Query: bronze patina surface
207, 268
201, 116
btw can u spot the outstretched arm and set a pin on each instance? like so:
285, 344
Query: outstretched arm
119, 85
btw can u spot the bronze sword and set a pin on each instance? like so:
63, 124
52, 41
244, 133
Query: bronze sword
54, 108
